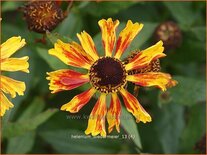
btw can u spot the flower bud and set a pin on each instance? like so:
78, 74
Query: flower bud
170, 34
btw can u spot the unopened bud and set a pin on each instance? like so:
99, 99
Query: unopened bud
169, 33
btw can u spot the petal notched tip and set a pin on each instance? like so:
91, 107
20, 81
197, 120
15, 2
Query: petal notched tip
5, 104
78, 101
96, 121
171, 83
134, 107
144, 118
137, 26
66, 107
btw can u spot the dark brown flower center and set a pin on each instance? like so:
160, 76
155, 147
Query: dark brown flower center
108, 75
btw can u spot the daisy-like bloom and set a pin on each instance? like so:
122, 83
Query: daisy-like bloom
9, 85
107, 75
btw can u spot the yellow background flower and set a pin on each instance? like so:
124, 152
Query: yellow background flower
9, 85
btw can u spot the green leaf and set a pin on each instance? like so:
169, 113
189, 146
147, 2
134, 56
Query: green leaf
53, 62
69, 141
13, 129
34, 109
188, 91
21, 144
130, 126
98, 42
199, 33
190, 51
169, 123
24, 143
53, 37
71, 26
10, 6
195, 128
182, 12
99, 9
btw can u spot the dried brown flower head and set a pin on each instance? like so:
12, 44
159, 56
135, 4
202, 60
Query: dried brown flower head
42, 16
170, 34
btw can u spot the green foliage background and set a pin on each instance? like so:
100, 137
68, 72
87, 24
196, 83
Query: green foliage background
36, 125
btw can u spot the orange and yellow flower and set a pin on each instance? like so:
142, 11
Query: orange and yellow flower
9, 85
107, 75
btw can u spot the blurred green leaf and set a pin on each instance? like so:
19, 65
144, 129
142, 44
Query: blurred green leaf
191, 50
182, 12
199, 33
69, 141
70, 26
188, 91
137, 12
34, 109
169, 123
9, 30
25, 142
195, 128
98, 42
53, 37
21, 144
53, 62
13, 129
10, 6
99, 9
192, 71
130, 126
147, 133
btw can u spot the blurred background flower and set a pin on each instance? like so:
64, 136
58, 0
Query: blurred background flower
35, 125
9, 85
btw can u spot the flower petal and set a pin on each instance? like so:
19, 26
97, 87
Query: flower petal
126, 36
88, 44
15, 64
66, 79
11, 46
96, 122
71, 54
78, 101
5, 104
135, 107
161, 80
11, 86
171, 83
108, 29
114, 112
144, 57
